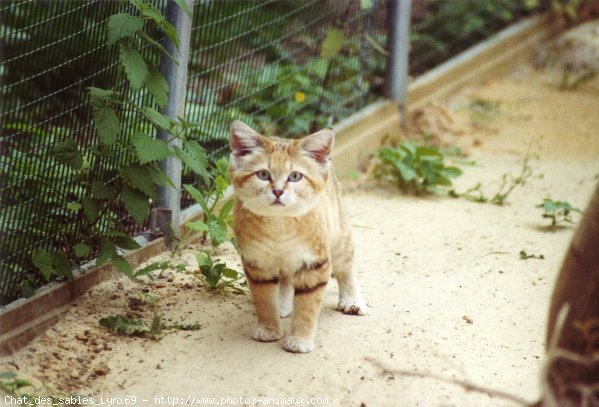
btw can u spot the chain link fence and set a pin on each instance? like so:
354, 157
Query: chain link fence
258, 61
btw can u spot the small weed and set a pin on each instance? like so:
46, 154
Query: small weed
162, 266
557, 211
215, 222
138, 300
526, 256
508, 184
217, 276
416, 169
483, 111
124, 325
25, 392
11, 384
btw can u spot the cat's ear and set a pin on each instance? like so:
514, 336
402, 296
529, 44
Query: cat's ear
243, 139
320, 145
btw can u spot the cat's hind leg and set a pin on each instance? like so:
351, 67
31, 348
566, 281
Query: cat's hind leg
265, 295
350, 295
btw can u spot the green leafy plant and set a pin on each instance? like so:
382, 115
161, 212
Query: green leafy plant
216, 216
417, 169
508, 183
156, 329
483, 111
161, 266
12, 384
216, 275
557, 211
132, 152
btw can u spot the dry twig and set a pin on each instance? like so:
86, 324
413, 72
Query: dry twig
467, 386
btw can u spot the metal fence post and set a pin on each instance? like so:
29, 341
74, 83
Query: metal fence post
399, 48
176, 77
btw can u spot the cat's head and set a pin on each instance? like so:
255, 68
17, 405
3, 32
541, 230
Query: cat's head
277, 177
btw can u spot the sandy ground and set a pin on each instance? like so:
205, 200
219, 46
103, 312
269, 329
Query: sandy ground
447, 291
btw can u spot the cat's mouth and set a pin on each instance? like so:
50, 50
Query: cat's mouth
277, 202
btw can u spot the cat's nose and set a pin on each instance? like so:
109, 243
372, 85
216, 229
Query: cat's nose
277, 192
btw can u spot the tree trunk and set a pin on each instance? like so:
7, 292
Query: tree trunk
571, 374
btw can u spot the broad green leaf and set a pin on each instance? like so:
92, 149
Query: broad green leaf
157, 118
221, 183
107, 252
135, 66
203, 260
428, 153
197, 225
149, 149
67, 152
148, 10
150, 268
127, 243
226, 209
99, 95
42, 260
332, 44
122, 25
158, 46
194, 157
407, 173
451, 172
136, 203
217, 229
197, 196
91, 208
222, 164
101, 191
408, 148
122, 265
107, 125
141, 178
62, 265
183, 6
158, 87
230, 273
82, 249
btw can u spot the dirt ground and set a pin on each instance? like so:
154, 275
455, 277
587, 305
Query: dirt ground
447, 290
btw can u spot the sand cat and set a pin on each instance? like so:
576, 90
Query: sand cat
292, 231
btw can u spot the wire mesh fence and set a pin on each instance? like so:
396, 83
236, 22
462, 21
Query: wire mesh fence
254, 60
440, 29
266, 67
52, 51
258, 60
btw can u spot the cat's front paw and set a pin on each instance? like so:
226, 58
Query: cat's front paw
352, 306
298, 345
265, 334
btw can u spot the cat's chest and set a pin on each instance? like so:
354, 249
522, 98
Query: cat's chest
284, 249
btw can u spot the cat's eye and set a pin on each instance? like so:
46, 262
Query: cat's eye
295, 176
263, 175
